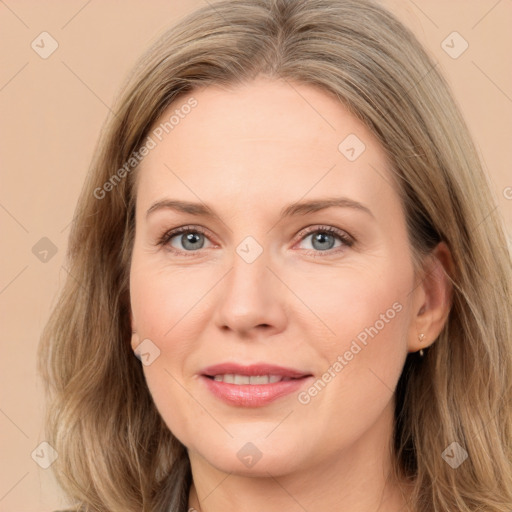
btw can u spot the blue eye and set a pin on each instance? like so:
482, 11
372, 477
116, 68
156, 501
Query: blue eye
192, 239
321, 240
324, 239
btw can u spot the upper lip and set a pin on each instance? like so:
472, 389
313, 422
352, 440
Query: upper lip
252, 369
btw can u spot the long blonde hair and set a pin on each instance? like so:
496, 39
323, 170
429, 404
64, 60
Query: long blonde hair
115, 451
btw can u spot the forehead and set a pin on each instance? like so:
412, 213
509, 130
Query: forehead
259, 140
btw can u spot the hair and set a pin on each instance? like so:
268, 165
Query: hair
115, 453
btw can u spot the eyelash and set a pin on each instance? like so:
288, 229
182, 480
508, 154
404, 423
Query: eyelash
347, 240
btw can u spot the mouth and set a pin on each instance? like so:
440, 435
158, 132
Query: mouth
254, 385
230, 378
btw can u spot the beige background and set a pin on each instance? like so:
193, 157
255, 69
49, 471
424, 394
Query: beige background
52, 111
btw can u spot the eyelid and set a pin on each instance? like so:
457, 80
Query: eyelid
171, 233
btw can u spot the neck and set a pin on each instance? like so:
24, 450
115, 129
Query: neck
359, 477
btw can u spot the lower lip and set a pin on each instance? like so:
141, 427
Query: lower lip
253, 395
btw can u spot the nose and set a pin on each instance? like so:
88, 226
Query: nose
252, 299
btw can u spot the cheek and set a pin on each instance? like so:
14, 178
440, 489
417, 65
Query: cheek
354, 302
167, 307
162, 307
363, 318
166, 300
372, 315
363, 360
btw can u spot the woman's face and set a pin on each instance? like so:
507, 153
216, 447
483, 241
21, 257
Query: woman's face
317, 301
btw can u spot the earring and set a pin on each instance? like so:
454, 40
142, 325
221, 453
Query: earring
421, 337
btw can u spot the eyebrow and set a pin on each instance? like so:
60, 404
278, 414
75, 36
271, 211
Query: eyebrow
293, 209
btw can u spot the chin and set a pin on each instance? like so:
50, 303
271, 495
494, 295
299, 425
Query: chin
255, 455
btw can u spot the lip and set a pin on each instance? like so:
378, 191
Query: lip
253, 369
253, 395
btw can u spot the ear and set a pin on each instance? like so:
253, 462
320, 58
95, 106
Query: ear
135, 337
432, 298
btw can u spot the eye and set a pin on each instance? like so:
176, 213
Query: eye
185, 239
323, 239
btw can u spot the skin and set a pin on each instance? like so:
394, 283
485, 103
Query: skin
247, 152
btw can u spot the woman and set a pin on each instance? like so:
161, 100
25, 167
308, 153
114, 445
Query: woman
272, 372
